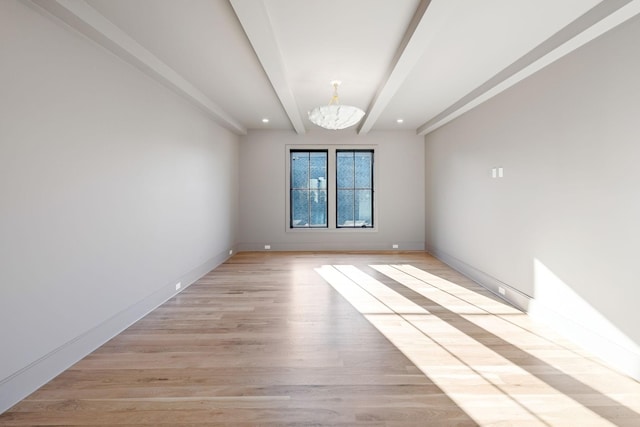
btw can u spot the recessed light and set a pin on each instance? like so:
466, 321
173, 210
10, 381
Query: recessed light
400, 121
265, 120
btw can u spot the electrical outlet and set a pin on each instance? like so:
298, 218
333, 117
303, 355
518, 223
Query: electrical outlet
502, 290
267, 247
178, 285
394, 246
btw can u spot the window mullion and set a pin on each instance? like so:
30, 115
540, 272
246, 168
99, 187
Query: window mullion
309, 192
332, 187
354, 190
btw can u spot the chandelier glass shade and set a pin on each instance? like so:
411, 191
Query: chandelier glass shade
335, 115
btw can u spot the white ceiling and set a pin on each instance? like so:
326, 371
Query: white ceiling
423, 61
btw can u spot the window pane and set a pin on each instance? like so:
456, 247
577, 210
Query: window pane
318, 202
344, 169
318, 167
345, 216
299, 170
363, 214
363, 170
308, 192
299, 208
354, 177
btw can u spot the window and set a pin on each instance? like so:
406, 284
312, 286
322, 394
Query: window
308, 189
354, 188
330, 188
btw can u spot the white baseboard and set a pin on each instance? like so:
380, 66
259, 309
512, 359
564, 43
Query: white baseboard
22, 383
350, 246
618, 357
511, 295
623, 359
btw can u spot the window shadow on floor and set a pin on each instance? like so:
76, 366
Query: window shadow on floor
582, 393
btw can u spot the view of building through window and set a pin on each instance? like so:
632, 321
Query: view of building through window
354, 187
310, 188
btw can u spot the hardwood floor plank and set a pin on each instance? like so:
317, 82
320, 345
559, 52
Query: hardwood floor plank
328, 338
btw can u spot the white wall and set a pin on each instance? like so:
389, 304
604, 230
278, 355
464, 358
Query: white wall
399, 192
112, 189
563, 225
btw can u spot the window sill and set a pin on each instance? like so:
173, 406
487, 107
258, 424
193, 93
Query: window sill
333, 230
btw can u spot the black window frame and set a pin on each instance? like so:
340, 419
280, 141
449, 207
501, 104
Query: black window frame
354, 188
292, 152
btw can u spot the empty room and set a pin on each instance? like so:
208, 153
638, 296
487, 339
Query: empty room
338, 212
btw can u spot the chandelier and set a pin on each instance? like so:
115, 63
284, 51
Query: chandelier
335, 115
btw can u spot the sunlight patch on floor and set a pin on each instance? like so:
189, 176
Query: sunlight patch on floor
487, 386
514, 327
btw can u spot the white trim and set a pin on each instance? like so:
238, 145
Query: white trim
81, 17
22, 383
422, 29
619, 357
331, 188
332, 247
256, 23
597, 21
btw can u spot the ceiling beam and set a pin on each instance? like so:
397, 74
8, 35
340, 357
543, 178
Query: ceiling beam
255, 21
598, 20
89, 22
416, 39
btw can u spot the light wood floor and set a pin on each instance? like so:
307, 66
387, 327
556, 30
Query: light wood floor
334, 339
